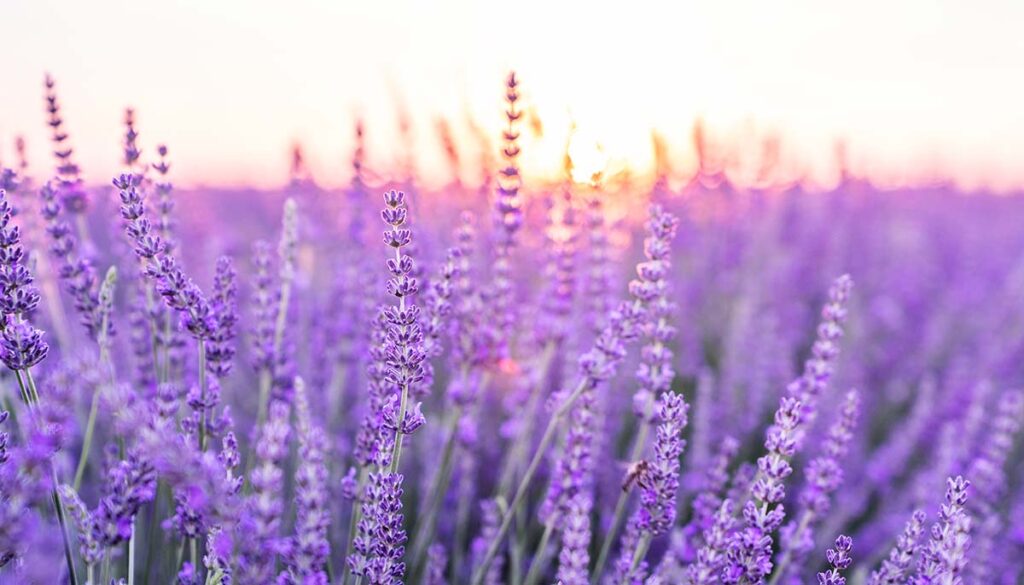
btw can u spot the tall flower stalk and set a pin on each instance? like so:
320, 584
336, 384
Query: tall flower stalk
21, 344
655, 372
404, 341
596, 366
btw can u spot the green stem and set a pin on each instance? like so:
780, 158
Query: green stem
131, 555
30, 395
90, 428
353, 524
787, 555
58, 506
540, 558
461, 533
396, 452
641, 552
154, 534
520, 531
524, 483
427, 521
202, 394
279, 325
522, 440
164, 373
105, 568
639, 442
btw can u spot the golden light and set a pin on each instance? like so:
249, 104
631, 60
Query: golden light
587, 157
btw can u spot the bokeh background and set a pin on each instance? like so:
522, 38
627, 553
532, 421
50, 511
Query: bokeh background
917, 91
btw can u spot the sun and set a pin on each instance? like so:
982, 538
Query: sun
587, 160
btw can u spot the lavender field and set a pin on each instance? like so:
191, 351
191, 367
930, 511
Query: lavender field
509, 382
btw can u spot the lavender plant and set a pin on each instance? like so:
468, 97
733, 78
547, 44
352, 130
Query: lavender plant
547, 448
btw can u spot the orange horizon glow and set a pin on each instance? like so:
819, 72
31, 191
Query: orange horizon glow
910, 93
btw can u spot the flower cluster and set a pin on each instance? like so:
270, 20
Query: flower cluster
661, 484
75, 270
180, 293
839, 559
555, 446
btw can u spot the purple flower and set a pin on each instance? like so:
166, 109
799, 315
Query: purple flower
824, 476
131, 147
989, 484
261, 520
18, 295
220, 350
661, 484
895, 568
307, 555
561, 237
491, 518
508, 220
574, 557
75, 271
380, 543
163, 187
180, 293
819, 367
403, 345
89, 534
22, 345
839, 559
437, 559
439, 307
712, 557
750, 549
943, 559
130, 484
72, 193
574, 470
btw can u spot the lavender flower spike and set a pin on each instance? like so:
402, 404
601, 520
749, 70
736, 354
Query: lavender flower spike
509, 218
180, 293
839, 558
894, 569
76, 272
660, 488
309, 549
750, 549
818, 368
262, 520
597, 365
380, 543
943, 559
824, 476
220, 350
404, 342
574, 558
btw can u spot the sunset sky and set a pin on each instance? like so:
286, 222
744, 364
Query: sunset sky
918, 89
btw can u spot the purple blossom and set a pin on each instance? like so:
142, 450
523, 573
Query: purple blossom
307, 555
220, 350
380, 543
180, 293
574, 556
661, 484
22, 345
261, 520
75, 270
436, 561
896, 566
943, 559
839, 559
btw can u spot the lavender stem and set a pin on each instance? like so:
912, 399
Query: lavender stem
524, 483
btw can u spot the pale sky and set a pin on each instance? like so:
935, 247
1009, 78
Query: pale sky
919, 89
